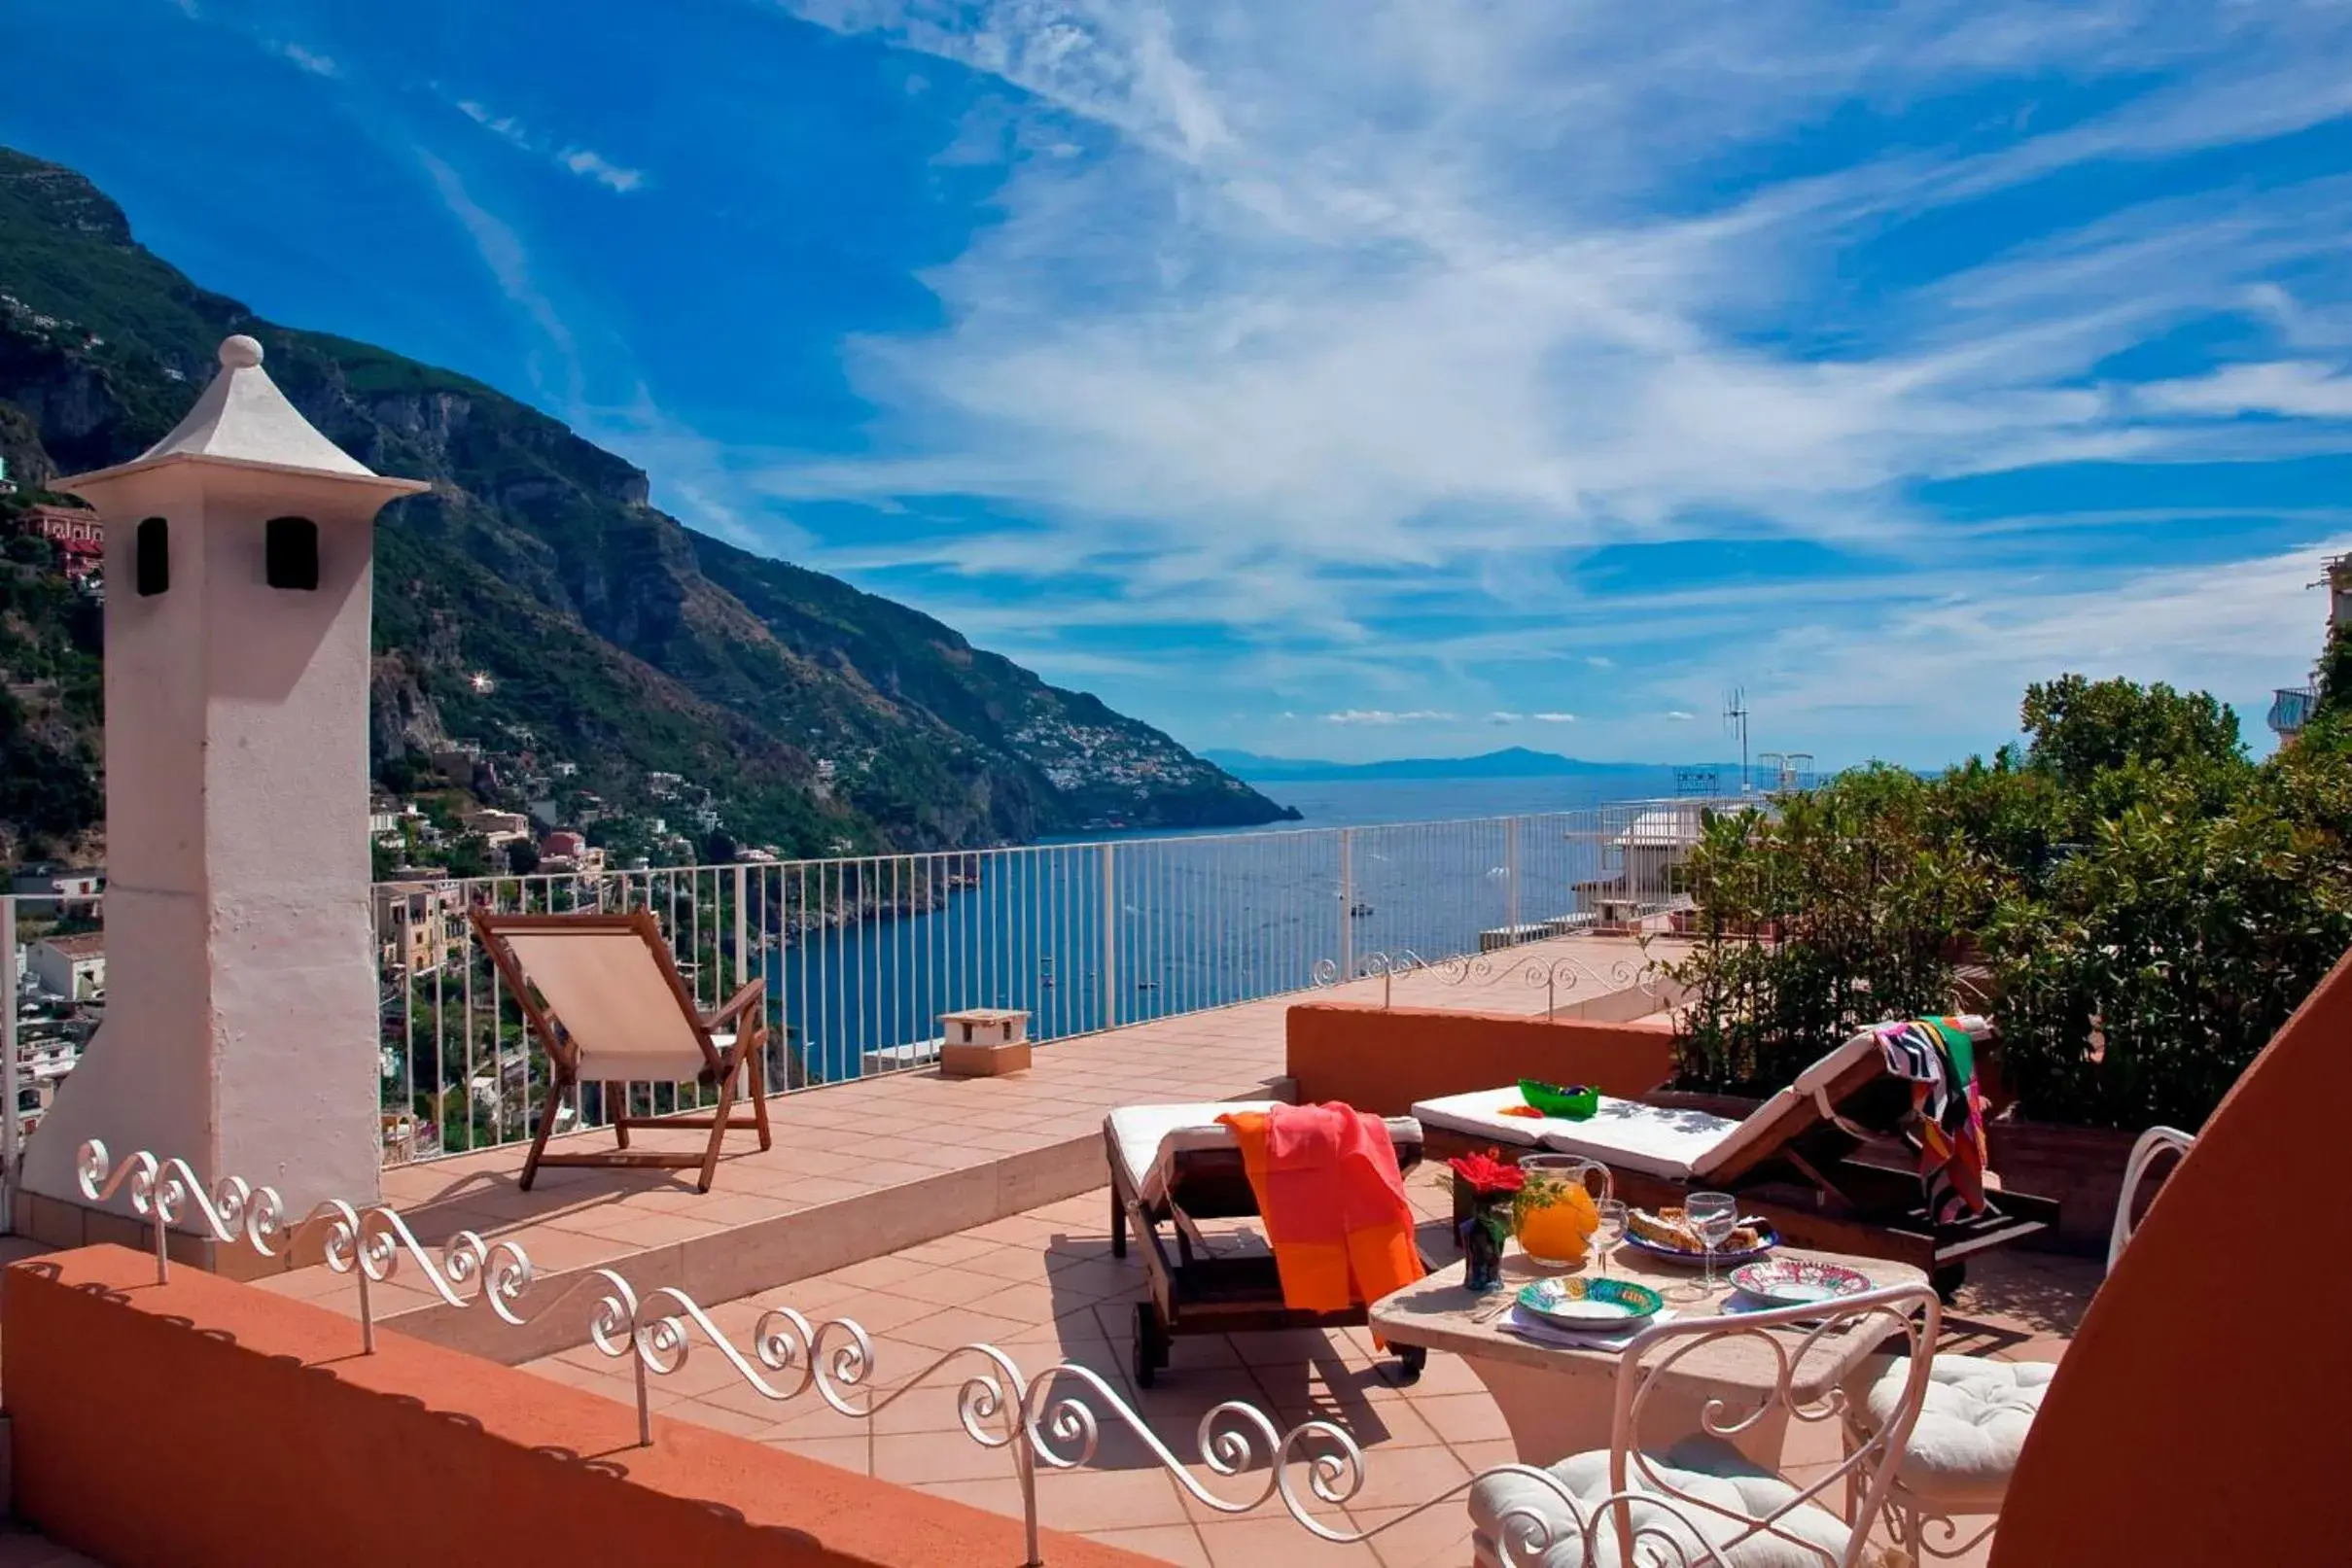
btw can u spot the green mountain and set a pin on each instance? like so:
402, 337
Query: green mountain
535, 608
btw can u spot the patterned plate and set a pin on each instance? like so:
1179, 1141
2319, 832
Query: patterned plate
1799, 1282
1579, 1302
1725, 1257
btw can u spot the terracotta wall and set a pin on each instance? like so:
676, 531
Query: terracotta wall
1382, 1060
208, 1424
2198, 1416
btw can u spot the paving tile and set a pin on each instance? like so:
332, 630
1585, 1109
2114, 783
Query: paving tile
1463, 1418
1179, 1544
1277, 1543
1431, 1538
926, 1456
1085, 1500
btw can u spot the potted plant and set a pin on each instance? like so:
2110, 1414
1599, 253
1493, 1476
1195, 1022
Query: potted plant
1485, 1187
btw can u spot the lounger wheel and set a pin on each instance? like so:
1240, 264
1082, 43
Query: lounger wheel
1411, 1359
1151, 1345
1948, 1279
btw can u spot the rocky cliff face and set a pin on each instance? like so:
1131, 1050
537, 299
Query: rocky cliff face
536, 605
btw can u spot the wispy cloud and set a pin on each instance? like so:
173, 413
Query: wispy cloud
584, 161
503, 253
1382, 715
307, 60
1330, 373
1552, 719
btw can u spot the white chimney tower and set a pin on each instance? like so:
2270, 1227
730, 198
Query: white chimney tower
241, 1021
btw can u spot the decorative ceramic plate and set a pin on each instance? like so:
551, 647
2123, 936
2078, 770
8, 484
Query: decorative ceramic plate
1799, 1282
1580, 1303
1725, 1257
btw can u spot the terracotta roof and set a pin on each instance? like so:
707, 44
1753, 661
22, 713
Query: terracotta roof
87, 945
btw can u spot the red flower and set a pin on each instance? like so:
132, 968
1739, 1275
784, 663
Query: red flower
1487, 1176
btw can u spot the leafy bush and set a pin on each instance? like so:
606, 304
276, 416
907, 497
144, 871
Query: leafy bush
2146, 904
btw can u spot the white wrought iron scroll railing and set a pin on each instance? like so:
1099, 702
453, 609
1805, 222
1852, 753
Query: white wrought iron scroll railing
861, 955
1054, 1420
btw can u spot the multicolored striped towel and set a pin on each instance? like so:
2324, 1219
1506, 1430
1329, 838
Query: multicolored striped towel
1938, 1057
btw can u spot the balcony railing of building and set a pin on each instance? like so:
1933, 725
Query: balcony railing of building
862, 954
2291, 709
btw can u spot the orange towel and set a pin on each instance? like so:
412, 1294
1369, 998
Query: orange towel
1333, 1201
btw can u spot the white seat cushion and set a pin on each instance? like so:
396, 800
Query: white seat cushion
1972, 1426
1679, 1145
1146, 1140
1703, 1468
1478, 1114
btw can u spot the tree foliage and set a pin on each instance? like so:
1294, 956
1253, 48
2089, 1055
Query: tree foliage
2137, 904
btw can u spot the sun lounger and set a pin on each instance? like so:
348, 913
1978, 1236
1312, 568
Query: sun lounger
1819, 1160
1173, 1165
605, 999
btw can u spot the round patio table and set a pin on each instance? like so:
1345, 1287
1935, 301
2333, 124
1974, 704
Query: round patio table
1561, 1400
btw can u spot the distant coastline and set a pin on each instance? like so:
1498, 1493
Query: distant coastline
1512, 762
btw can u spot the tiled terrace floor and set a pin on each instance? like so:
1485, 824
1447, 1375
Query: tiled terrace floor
963, 1151
1042, 1286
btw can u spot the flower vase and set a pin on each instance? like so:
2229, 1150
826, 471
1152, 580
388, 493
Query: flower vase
1482, 1236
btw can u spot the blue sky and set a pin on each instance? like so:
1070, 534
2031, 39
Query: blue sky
1354, 379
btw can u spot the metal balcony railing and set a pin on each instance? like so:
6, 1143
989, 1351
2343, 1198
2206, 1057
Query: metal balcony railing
862, 954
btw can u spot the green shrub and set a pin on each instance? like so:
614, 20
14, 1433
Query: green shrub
2147, 906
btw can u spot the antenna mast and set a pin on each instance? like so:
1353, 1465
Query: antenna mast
1735, 716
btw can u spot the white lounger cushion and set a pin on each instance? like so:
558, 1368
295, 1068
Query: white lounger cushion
1146, 1140
1658, 1140
1622, 1133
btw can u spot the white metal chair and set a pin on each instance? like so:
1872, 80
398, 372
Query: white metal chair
2153, 1144
1697, 1499
1965, 1440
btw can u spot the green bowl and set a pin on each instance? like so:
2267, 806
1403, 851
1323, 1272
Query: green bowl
1569, 1104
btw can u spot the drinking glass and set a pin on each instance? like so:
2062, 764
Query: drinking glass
1610, 1233
1715, 1216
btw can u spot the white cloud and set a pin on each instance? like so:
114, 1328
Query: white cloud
584, 161
1552, 719
2295, 390
1504, 717
308, 59
1352, 319
1331, 337
594, 166
1382, 715
501, 252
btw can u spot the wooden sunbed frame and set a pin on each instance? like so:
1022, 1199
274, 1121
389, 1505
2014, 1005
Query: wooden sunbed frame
1193, 1293
745, 1056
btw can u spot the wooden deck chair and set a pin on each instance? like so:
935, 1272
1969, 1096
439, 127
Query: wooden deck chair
604, 998
1818, 1160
